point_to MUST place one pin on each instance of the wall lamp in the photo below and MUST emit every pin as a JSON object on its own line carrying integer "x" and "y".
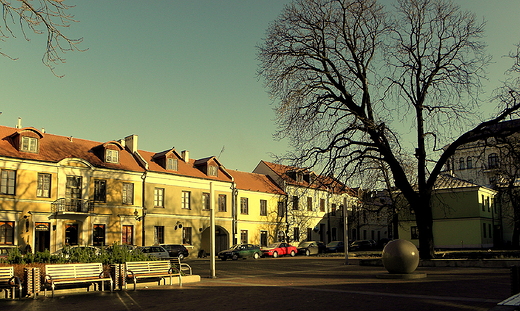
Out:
{"x": 178, "y": 225}
{"x": 137, "y": 217}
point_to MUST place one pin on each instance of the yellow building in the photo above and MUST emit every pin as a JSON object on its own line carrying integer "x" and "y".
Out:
{"x": 258, "y": 201}
{"x": 315, "y": 203}
{"x": 464, "y": 216}
{"x": 58, "y": 191}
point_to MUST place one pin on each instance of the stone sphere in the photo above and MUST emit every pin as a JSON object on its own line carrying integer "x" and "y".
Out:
{"x": 400, "y": 256}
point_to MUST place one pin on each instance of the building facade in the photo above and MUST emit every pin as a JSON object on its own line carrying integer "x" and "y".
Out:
{"x": 57, "y": 191}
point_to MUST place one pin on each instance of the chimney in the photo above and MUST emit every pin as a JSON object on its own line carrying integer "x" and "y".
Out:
{"x": 185, "y": 156}
{"x": 19, "y": 124}
{"x": 131, "y": 143}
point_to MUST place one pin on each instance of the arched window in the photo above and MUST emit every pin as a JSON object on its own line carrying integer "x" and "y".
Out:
{"x": 461, "y": 164}
{"x": 469, "y": 162}
{"x": 493, "y": 160}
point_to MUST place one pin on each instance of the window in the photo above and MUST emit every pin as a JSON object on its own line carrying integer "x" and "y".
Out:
{"x": 309, "y": 234}
{"x": 127, "y": 236}
{"x": 309, "y": 204}
{"x": 212, "y": 170}
{"x": 186, "y": 235}
{"x": 295, "y": 202}
{"x": 263, "y": 207}
{"x": 186, "y": 204}
{"x": 100, "y": 190}
{"x": 483, "y": 203}
{"x": 281, "y": 209}
{"x": 44, "y": 185}
{"x": 7, "y": 182}
{"x": 243, "y": 236}
{"x": 7, "y": 232}
{"x": 414, "y": 232}
{"x": 322, "y": 205}
{"x": 99, "y": 235}
{"x": 158, "y": 197}
{"x": 484, "y": 230}
{"x": 296, "y": 233}
{"x": 128, "y": 193}
{"x": 111, "y": 156}
{"x": 493, "y": 160}
{"x": 244, "y": 206}
{"x": 159, "y": 234}
{"x": 29, "y": 144}
{"x": 222, "y": 203}
{"x": 333, "y": 210}
{"x": 172, "y": 164}
{"x": 461, "y": 164}
{"x": 469, "y": 162}
{"x": 205, "y": 201}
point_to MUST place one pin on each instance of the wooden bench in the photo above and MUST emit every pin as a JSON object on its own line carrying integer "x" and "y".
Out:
{"x": 161, "y": 269}
{"x": 90, "y": 273}
{"x": 9, "y": 283}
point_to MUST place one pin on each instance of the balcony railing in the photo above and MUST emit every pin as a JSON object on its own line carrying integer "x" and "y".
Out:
{"x": 64, "y": 205}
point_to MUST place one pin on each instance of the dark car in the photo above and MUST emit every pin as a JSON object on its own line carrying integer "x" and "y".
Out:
{"x": 176, "y": 250}
{"x": 335, "y": 247}
{"x": 308, "y": 248}
{"x": 361, "y": 245}
{"x": 241, "y": 251}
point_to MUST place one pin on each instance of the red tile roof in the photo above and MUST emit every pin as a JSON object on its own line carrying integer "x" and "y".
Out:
{"x": 54, "y": 148}
{"x": 255, "y": 182}
{"x": 183, "y": 168}
{"x": 319, "y": 182}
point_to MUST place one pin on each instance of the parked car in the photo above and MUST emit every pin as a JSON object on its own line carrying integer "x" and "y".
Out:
{"x": 279, "y": 249}
{"x": 361, "y": 245}
{"x": 241, "y": 251}
{"x": 335, "y": 247}
{"x": 156, "y": 251}
{"x": 308, "y": 248}
{"x": 176, "y": 250}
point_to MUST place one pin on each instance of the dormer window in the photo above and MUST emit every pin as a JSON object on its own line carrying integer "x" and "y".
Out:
{"x": 212, "y": 170}
{"x": 172, "y": 164}
{"x": 111, "y": 156}
{"x": 29, "y": 144}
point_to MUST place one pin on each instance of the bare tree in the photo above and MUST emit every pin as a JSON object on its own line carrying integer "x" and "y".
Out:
{"x": 40, "y": 17}
{"x": 349, "y": 75}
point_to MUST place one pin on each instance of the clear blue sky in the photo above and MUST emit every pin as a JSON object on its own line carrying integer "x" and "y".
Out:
{"x": 178, "y": 73}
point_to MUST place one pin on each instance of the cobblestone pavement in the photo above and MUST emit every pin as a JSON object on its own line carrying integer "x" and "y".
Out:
{"x": 301, "y": 283}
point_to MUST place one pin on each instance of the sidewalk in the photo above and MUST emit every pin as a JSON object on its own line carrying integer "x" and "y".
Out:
{"x": 327, "y": 287}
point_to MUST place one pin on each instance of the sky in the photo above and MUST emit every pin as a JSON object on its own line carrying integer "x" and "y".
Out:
{"x": 177, "y": 73}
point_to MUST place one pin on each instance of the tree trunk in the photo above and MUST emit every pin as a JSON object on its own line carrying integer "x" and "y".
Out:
{"x": 424, "y": 220}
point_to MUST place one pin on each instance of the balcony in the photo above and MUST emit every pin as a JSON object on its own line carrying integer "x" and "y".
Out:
{"x": 72, "y": 206}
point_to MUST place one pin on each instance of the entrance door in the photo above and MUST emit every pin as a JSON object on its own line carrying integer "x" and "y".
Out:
{"x": 42, "y": 238}
{"x": 221, "y": 239}
{"x": 71, "y": 234}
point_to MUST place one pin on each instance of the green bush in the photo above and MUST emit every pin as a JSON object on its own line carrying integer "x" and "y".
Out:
{"x": 115, "y": 254}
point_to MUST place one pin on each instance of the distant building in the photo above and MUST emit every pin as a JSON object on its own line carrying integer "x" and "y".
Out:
{"x": 464, "y": 216}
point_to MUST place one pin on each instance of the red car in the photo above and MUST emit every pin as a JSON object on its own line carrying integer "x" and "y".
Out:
{"x": 279, "y": 249}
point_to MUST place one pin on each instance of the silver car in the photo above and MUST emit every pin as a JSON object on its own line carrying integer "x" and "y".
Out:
{"x": 156, "y": 251}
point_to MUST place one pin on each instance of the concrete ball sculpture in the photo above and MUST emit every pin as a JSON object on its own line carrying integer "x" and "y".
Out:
{"x": 400, "y": 256}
